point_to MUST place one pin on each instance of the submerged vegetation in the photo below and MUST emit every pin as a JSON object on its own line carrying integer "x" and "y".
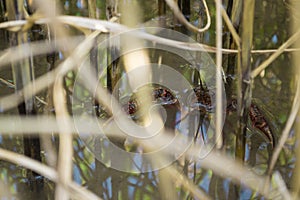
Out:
{"x": 156, "y": 99}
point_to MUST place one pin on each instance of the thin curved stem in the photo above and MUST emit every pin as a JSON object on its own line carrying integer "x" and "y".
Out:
{"x": 183, "y": 20}
{"x": 277, "y": 53}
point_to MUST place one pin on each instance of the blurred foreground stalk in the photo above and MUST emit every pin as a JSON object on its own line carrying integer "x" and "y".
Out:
{"x": 296, "y": 62}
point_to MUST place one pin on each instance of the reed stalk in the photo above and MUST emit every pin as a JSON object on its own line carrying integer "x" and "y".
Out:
{"x": 161, "y": 8}
{"x": 219, "y": 81}
{"x": 296, "y": 62}
{"x": 245, "y": 81}
{"x": 162, "y": 13}
{"x": 92, "y": 9}
{"x": 231, "y": 41}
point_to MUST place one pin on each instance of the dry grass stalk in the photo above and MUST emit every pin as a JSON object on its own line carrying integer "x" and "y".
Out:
{"x": 277, "y": 53}
{"x": 65, "y": 154}
{"x": 172, "y": 4}
{"x": 231, "y": 28}
{"x": 219, "y": 81}
{"x": 286, "y": 130}
{"x": 86, "y": 23}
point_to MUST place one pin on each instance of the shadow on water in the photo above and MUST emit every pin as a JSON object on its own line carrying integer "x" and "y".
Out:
{"x": 272, "y": 93}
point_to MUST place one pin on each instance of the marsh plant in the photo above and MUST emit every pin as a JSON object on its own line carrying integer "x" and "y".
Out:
{"x": 149, "y": 99}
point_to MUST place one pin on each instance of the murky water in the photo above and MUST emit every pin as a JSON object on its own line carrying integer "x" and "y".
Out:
{"x": 272, "y": 92}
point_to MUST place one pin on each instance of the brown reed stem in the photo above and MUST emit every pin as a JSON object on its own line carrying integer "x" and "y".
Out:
{"x": 244, "y": 83}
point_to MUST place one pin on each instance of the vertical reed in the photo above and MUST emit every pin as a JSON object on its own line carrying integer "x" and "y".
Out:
{"x": 234, "y": 11}
{"x": 296, "y": 61}
{"x": 92, "y": 6}
{"x": 244, "y": 71}
{"x": 162, "y": 8}
{"x": 219, "y": 99}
